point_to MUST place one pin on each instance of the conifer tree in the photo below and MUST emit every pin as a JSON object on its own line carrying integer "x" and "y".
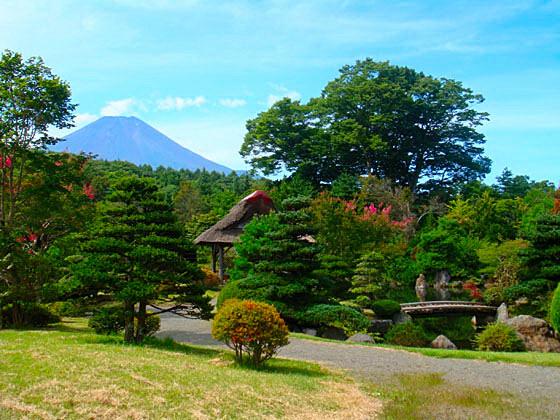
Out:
{"x": 282, "y": 270}
{"x": 138, "y": 252}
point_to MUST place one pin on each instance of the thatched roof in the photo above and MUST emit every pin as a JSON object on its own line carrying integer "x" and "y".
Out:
{"x": 229, "y": 229}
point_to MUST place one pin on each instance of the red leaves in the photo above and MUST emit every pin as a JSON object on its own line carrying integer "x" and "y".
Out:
{"x": 6, "y": 162}
{"x": 88, "y": 191}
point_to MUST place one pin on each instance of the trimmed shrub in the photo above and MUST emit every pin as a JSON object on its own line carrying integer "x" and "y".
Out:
{"x": 345, "y": 318}
{"x": 111, "y": 320}
{"x": 407, "y": 334}
{"x": 363, "y": 301}
{"x": 385, "y": 308}
{"x": 211, "y": 279}
{"x": 251, "y": 328}
{"x": 555, "y": 309}
{"x": 498, "y": 337}
{"x": 107, "y": 320}
{"x": 33, "y": 315}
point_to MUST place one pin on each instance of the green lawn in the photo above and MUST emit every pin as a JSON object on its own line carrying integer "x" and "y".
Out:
{"x": 69, "y": 372}
{"x": 525, "y": 358}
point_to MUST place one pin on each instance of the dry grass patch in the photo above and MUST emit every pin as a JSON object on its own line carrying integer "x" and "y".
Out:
{"x": 73, "y": 374}
{"x": 430, "y": 397}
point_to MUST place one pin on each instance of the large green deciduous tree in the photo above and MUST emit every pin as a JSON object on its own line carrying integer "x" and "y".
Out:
{"x": 139, "y": 252}
{"x": 375, "y": 119}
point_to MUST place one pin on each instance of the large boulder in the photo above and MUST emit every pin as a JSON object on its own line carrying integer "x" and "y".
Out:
{"x": 310, "y": 331}
{"x": 536, "y": 333}
{"x": 380, "y": 325}
{"x": 333, "y": 333}
{"x": 442, "y": 342}
{"x": 361, "y": 338}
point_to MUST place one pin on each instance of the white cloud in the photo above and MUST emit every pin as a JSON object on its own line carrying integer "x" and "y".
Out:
{"x": 293, "y": 95}
{"x": 233, "y": 103}
{"x": 84, "y": 119}
{"x": 118, "y": 108}
{"x": 177, "y": 103}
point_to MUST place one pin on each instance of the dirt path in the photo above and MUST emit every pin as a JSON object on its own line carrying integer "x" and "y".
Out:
{"x": 375, "y": 362}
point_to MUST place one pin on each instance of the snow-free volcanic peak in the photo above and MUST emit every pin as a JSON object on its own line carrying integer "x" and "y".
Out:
{"x": 132, "y": 140}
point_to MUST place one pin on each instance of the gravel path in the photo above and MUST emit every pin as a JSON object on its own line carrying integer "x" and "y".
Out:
{"x": 375, "y": 362}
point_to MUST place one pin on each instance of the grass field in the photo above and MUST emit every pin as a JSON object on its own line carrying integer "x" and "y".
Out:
{"x": 69, "y": 372}
{"x": 525, "y": 358}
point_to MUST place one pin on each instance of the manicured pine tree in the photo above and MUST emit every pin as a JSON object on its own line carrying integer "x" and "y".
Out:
{"x": 282, "y": 269}
{"x": 139, "y": 252}
{"x": 543, "y": 257}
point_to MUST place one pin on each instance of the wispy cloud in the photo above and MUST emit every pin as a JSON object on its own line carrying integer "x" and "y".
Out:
{"x": 292, "y": 94}
{"x": 233, "y": 103}
{"x": 120, "y": 107}
{"x": 177, "y": 103}
{"x": 84, "y": 119}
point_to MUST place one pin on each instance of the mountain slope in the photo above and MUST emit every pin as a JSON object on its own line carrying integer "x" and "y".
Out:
{"x": 131, "y": 139}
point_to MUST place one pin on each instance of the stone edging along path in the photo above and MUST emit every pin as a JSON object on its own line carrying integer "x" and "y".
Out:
{"x": 376, "y": 362}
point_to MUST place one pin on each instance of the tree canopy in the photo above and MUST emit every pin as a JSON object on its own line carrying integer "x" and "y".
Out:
{"x": 375, "y": 119}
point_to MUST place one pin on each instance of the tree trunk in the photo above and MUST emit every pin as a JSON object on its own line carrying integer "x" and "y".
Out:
{"x": 17, "y": 315}
{"x": 129, "y": 322}
{"x": 141, "y": 325}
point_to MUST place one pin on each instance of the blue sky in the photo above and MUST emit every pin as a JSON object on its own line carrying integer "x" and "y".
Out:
{"x": 197, "y": 70}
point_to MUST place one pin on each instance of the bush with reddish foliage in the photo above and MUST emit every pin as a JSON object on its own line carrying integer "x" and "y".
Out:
{"x": 251, "y": 328}
{"x": 211, "y": 279}
{"x": 473, "y": 289}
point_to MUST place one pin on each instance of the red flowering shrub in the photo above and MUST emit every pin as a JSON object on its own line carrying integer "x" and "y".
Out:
{"x": 253, "y": 328}
{"x": 473, "y": 289}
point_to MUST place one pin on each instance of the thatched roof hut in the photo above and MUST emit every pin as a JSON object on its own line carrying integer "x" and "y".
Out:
{"x": 228, "y": 230}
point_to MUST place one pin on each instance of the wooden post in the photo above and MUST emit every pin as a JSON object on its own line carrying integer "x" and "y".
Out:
{"x": 214, "y": 258}
{"x": 221, "y": 250}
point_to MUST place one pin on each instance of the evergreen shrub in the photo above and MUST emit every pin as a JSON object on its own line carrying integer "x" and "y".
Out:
{"x": 555, "y": 309}
{"x": 499, "y": 337}
{"x": 245, "y": 289}
{"x": 111, "y": 320}
{"x": 407, "y": 334}
{"x": 34, "y": 315}
{"x": 385, "y": 308}
{"x": 342, "y": 317}
{"x": 107, "y": 320}
{"x": 252, "y": 328}
{"x": 363, "y": 301}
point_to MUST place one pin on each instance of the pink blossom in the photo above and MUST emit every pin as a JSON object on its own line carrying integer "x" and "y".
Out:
{"x": 57, "y": 163}
{"x": 32, "y": 237}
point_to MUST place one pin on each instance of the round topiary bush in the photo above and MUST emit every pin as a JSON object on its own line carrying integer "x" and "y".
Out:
{"x": 342, "y": 317}
{"x": 498, "y": 337}
{"x": 251, "y": 328}
{"x": 555, "y": 309}
{"x": 363, "y": 301}
{"x": 385, "y": 308}
{"x": 407, "y": 334}
{"x": 107, "y": 320}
